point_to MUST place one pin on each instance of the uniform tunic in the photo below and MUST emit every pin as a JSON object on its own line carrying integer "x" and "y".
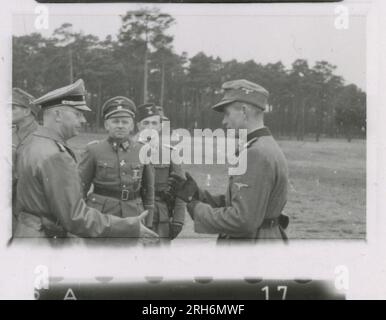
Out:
{"x": 49, "y": 187}
{"x": 258, "y": 194}
{"x": 163, "y": 215}
{"x": 115, "y": 168}
{"x": 20, "y": 134}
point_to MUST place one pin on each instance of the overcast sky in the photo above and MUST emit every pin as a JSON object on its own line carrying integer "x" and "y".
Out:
{"x": 260, "y": 36}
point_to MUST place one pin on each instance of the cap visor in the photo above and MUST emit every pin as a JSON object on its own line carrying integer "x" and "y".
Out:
{"x": 119, "y": 114}
{"x": 219, "y": 107}
{"x": 82, "y": 108}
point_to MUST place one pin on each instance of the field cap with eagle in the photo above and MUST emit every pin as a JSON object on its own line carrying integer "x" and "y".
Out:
{"x": 147, "y": 110}
{"x": 72, "y": 95}
{"x": 23, "y": 99}
{"x": 118, "y": 107}
{"x": 242, "y": 91}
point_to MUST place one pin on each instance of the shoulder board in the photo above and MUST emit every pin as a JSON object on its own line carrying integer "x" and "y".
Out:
{"x": 61, "y": 147}
{"x": 93, "y": 142}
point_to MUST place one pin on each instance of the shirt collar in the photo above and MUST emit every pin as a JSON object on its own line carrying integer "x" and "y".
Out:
{"x": 258, "y": 133}
{"x": 116, "y": 143}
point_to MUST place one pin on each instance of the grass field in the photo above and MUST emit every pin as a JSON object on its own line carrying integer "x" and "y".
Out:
{"x": 327, "y": 197}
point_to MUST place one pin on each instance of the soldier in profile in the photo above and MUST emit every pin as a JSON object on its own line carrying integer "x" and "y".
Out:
{"x": 49, "y": 190}
{"x": 251, "y": 209}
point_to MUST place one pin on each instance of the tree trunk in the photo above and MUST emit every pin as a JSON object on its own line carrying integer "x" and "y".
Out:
{"x": 162, "y": 95}
{"x": 99, "y": 106}
{"x": 145, "y": 75}
{"x": 71, "y": 65}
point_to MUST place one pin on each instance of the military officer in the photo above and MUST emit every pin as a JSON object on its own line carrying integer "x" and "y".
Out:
{"x": 251, "y": 209}
{"x": 169, "y": 212}
{"x": 49, "y": 188}
{"x": 24, "y": 123}
{"x": 122, "y": 185}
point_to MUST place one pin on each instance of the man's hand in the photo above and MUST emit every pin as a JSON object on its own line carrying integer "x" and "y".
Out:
{"x": 146, "y": 236}
{"x": 52, "y": 229}
{"x": 175, "y": 229}
{"x": 184, "y": 188}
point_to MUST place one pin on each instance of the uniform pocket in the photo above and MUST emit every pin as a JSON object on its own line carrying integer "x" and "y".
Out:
{"x": 96, "y": 201}
{"x": 106, "y": 169}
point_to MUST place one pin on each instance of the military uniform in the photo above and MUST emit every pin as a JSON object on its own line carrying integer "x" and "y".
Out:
{"x": 50, "y": 190}
{"x": 254, "y": 201}
{"x": 122, "y": 185}
{"x": 169, "y": 212}
{"x": 20, "y": 132}
{"x": 251, "y": 209}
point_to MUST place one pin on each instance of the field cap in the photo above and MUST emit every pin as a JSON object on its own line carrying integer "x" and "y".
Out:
{"x": 242, "y": 91}
{"x": 147, "y": 110}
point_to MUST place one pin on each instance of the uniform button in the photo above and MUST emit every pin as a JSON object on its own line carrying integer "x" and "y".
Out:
{"x": 123, "y": 173}
{"x": 93, "y": 199}
{"x": 124, "y": 186}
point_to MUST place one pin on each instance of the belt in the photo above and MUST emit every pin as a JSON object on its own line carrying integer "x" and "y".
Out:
{"x": 267, "y": 224}
{"x": 124, "y": 195}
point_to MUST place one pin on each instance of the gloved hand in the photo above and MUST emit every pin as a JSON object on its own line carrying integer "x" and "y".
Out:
{"x": 184, "y": 188}
{"x": 175, "y": 229}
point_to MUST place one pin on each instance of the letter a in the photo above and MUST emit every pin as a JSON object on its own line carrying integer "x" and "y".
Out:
{"x": 70, "y": 295}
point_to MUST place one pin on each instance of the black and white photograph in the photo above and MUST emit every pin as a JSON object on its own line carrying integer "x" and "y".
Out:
{"x": 300, "y": 96}
{"x": 194, "y": 128}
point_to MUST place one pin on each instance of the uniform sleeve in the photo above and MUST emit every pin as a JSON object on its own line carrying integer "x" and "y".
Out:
{"x": 179, "y": 205}
{"x": 87, "y": 170}
{"x": 148, "y": 191}
{"x": 62, "y": 188}
{"x": 249, "y": 192}
{"x": 215, "y": 201}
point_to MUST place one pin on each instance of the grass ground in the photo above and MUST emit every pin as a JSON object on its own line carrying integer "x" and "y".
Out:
{"x": 327, "y": 196}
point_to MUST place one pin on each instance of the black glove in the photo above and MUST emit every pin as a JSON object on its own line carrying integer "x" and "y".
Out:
{"x": 184, "y": 188}
{"x": 283, "y": 221}
{"x": 175, "y": 229}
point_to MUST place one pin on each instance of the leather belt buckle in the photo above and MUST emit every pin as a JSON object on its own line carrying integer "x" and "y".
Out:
{"x": 125, "y": 195}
